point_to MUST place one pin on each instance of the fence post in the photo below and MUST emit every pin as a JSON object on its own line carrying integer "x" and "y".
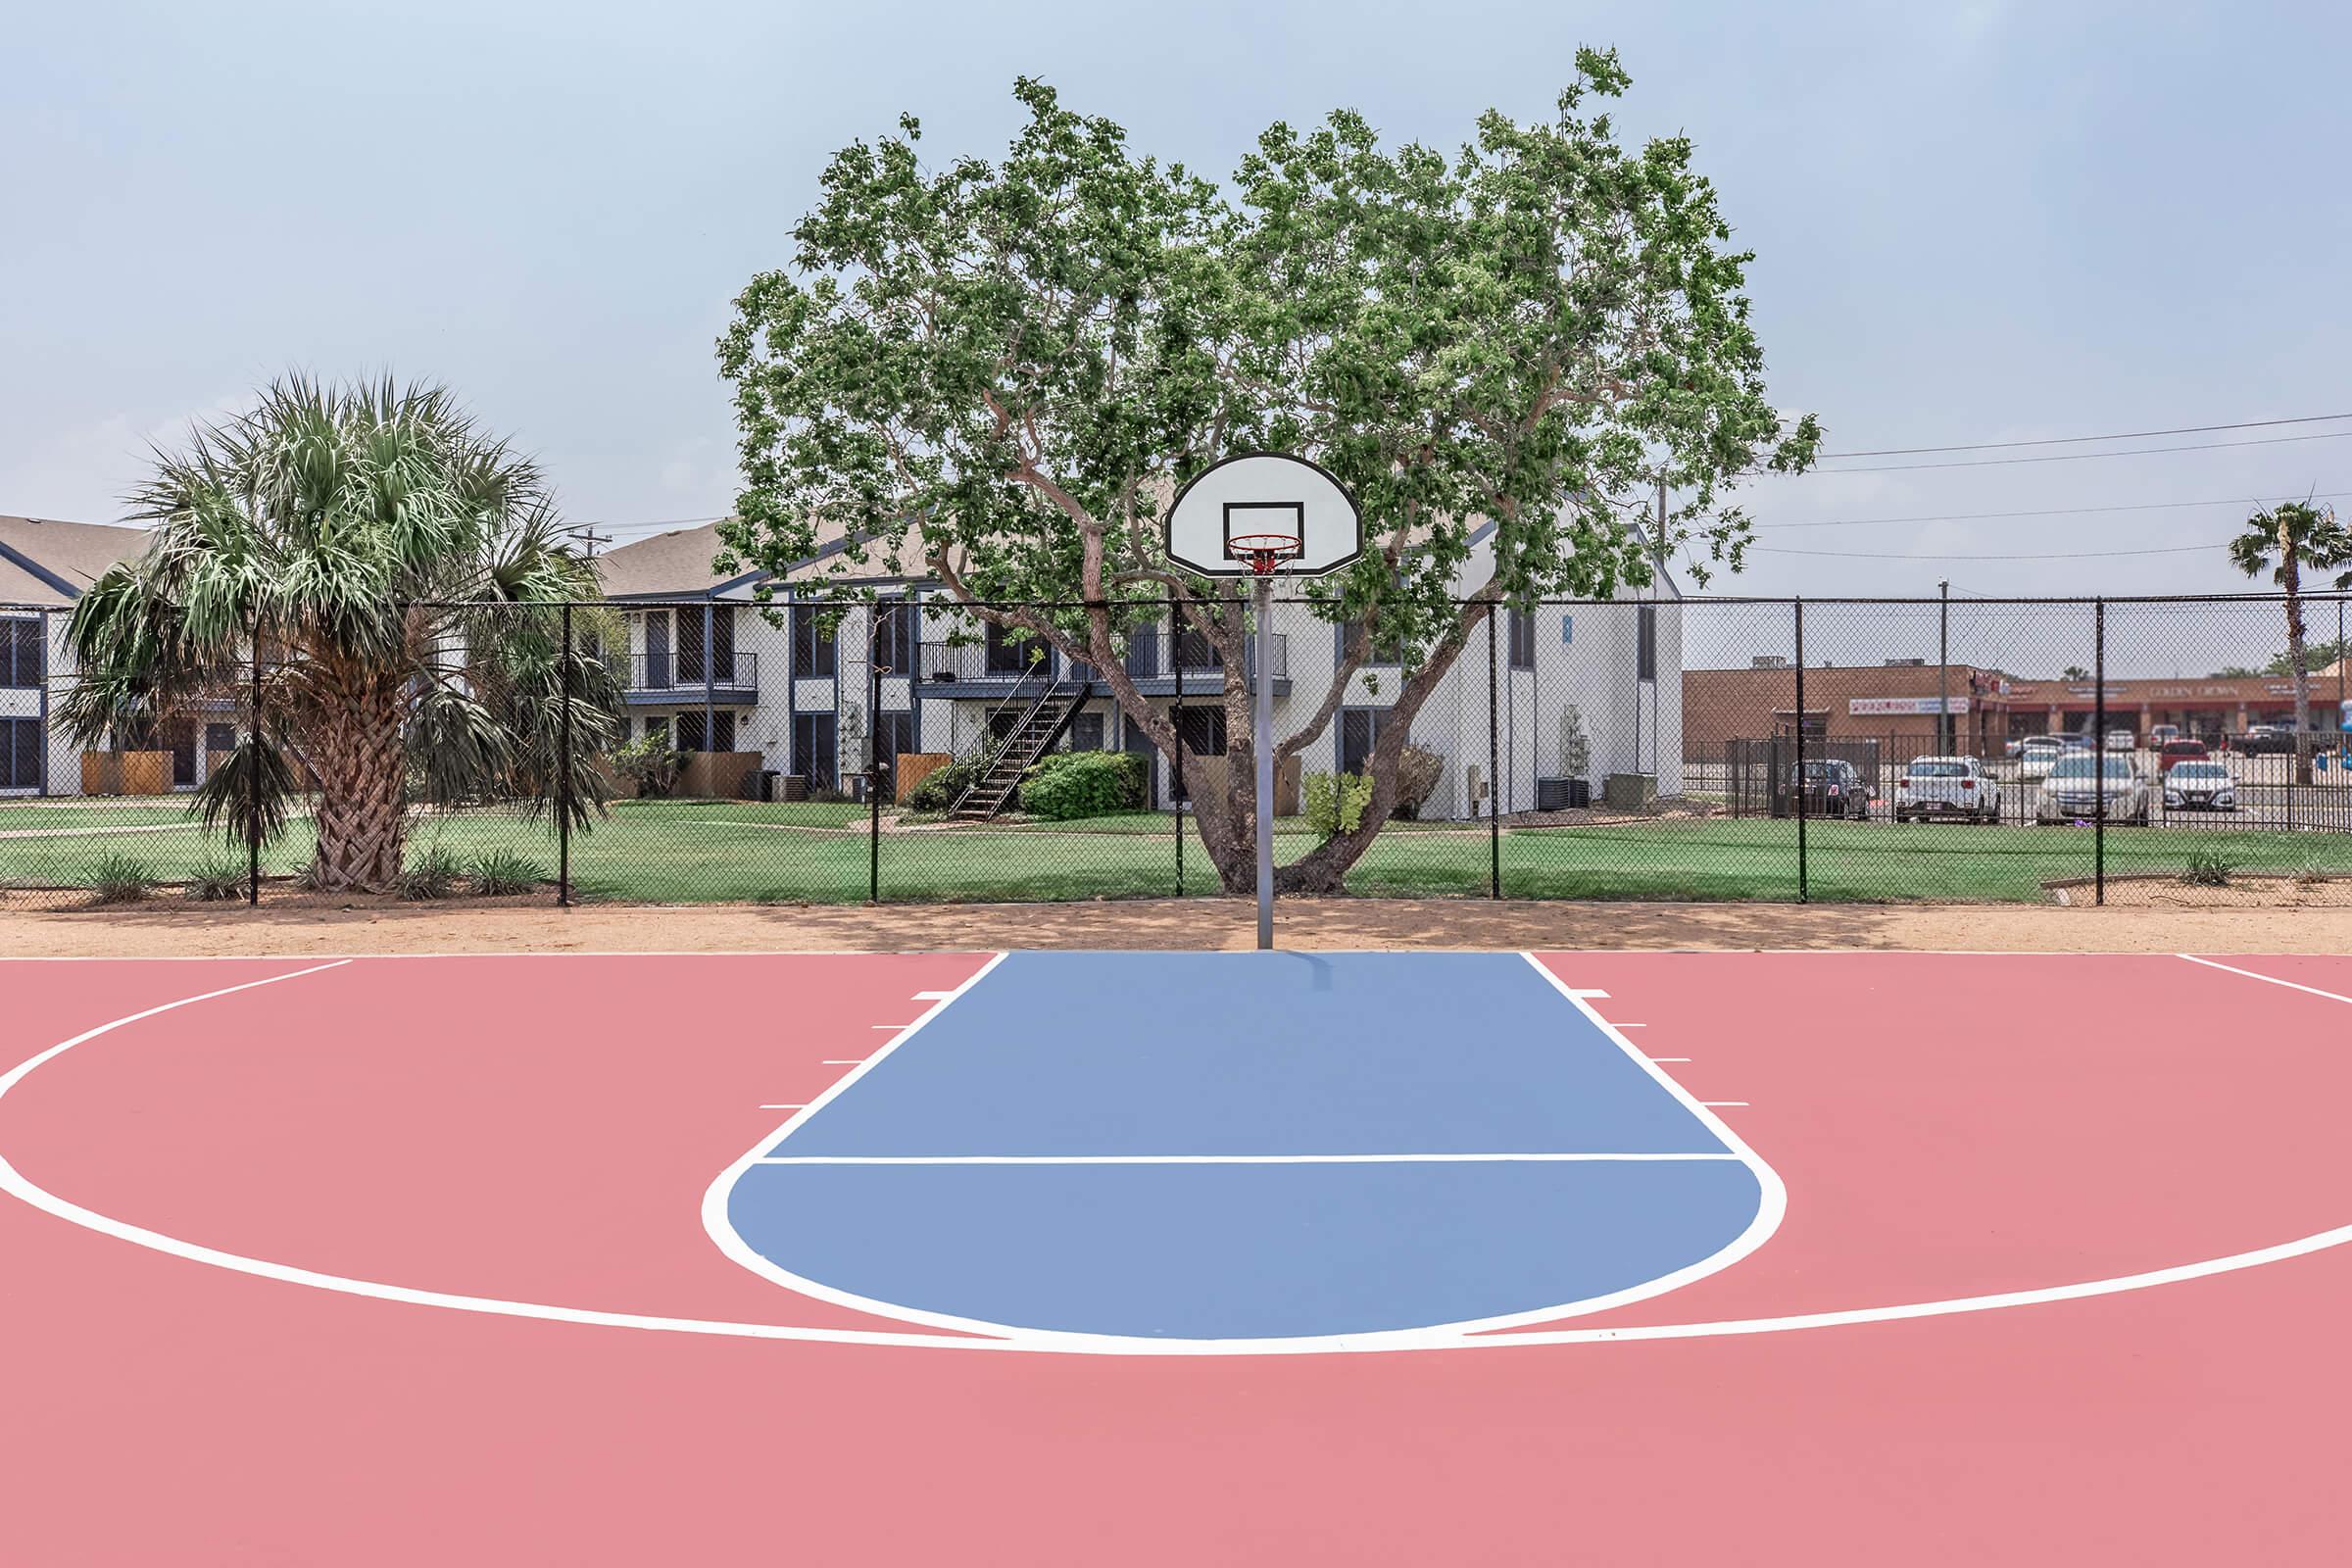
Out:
{"x": 563, "y": 770}
{"x": 1804, "y": 891}
{"x": 1494, "y": 765}
{"x": 1176, "y": 756}
{"x": 2098, "y": 740}
{"x": 873, "y": 751}
{"x": 253, "y": 775}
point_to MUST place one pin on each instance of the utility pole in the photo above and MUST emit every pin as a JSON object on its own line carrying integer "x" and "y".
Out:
{"x": 1943, "y": 670}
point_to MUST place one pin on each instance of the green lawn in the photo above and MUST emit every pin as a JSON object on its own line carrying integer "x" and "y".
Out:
{"x": 711, "y": 852}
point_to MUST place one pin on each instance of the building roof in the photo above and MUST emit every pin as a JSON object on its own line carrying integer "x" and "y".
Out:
{"x": 677, "y": 564}
{"x": 43, "y": 561}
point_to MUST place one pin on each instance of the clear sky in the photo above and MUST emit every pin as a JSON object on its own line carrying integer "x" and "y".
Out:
{"x": 1973, "y": 223}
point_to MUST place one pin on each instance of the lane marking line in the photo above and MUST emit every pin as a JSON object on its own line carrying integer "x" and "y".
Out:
{"x": 18, "y": 1186}
{"x": 2268, "y": 979}
{"x": 1222, "y": 1159}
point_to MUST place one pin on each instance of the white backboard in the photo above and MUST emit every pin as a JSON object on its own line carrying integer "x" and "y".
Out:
{"x": 1260, "y": 493}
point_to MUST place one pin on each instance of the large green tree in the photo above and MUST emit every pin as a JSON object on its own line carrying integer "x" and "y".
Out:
{"x": 397, "y": 569}
{"x": 998, "y": 373}
{"x": 2286, "y": 541}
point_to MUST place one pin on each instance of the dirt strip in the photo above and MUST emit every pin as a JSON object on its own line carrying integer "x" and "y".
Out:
{"x": 294, "y": 925}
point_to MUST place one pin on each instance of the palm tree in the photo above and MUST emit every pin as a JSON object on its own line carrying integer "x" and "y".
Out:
{"x": 2286, "y": 539}
{"x": 383, "y": 558}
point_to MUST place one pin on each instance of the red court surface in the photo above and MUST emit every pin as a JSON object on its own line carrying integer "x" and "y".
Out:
{"x": 401, "y": 1261}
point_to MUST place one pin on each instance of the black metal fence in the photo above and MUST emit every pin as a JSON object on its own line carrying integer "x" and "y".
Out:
{"x": 2139, "y": 750}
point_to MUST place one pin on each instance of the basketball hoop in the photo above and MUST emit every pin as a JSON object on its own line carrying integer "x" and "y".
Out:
{"x": 1264, "y": 550}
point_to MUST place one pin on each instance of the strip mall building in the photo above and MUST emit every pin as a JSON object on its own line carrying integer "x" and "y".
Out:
{"x": 1898, "y": 702}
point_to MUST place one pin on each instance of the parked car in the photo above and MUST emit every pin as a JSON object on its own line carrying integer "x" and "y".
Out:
{"x": 2199, "y": 786}
{"x": 2072, "y": 792}
{"x": 2121, "y": 740}
{"x": 2262, "y": 738}
{"x": 2038, "y": 754}
{"x": 2075, "y": 743}
{"x": 1946, "y": 786}
{"x": 2173, "y": 753}
{"x": 2158, "y": 734}
{"x": 1833, "y": 787}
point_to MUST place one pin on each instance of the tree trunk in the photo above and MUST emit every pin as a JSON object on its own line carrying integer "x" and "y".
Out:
{"x": 362, "y": 766}
{"x": 2291, "y": 578}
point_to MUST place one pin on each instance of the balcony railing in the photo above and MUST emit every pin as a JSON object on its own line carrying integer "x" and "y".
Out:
{"x": 684, "y": 675}
{"x": 974, "y": 663}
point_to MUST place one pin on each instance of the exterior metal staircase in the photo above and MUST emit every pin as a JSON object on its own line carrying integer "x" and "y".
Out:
{"x": 1028, "y": 736}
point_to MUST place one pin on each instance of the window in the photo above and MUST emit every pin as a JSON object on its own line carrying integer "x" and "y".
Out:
{"x": 723, "y": 731}
{"x": 1203, "y": 731}
{"x": 19, "y": 753}
{"x": 1085, "y": 732}
{"x": 1012, "y": 652}
{"x": 811, "y": 643}
{"x": 1359, "y": 727}
{"x": 715, "y": 663}
{"x": 1647, "y": 635}
{"x": 1375, "y": 655}
{"x": 1143, "y": 652}
{"x": 815, "y": 740}
{"x": 220, "y": 737}
{"x": 657, "y": 675}
{"x": 1195, "y": 651}
{"x": 895, "y": 635}
{"x": 1523, "y": 639}
{"x": 20, "y": 652}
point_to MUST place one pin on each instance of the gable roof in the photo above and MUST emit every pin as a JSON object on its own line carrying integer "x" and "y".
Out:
{"x": 44, "y": 562}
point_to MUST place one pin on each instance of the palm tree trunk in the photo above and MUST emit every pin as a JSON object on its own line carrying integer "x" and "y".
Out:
{"x": 2291, "y": 578}
{"x": 361, "y": 767}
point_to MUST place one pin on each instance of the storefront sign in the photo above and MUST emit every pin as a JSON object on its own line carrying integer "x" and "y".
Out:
{"x": 1899, "y": 707}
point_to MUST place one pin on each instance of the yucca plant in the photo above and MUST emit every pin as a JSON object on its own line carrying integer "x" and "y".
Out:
{"x": 502, "y": 873}
{"x": 118, "y": 878}
{"x": 433, "y": 874}
{"x": 397, "y": 569}
{"x": 217, "y": 881}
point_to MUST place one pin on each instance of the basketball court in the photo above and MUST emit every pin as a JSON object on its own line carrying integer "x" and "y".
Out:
{"x": 1066, "y": 1258}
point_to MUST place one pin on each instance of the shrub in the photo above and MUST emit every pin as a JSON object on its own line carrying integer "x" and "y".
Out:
{"x": 1334, "y": 802}
{"x": 945, "y": 786}
{"x": 1068, "y": 785}
{"x": 2208, "y": 868}
{"x": 2315, "y": 871}
{"x": 649, "y": 764}
{"x": 307, "y": 878}
{"x": 119, "y": 878}
{"x": 502, "y": 873}
{"x": 827, "y": 795}
{"x": 217, "y": 881}
{"x": 430, "y": 875}
{"x": 1418, "y": 769}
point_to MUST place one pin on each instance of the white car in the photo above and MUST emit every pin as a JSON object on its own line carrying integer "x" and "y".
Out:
{"x": 2121, "y": 740}
{"x": 2038, "y": 755}
{"x": 2072, "y": 791}
{"x": 1946, "y": 786}
{"x": 2201, "y": 787}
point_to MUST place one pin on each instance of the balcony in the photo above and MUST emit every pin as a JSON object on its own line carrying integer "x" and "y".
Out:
{"x": 975, "y": 669}
{"x": 688, "y": 677}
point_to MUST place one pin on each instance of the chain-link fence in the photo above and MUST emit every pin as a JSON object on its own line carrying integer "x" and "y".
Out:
{"x": 905, "y": 748}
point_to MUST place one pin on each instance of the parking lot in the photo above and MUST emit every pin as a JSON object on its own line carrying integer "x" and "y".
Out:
{"x": 2266, "y": 796}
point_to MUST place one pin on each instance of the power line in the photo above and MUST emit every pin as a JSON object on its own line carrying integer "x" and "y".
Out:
{"x": 2046, "y": 511}
{"x": 2069, "y": 555}
{"x": 2072, "y": 440}
{"x": 2083, "y": 456}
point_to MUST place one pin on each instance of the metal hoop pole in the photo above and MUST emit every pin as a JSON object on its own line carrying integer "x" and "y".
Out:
{"x": 1262, "y": 740}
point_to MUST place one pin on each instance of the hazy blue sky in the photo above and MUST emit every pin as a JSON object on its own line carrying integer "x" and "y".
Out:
{"x": 1974, "y": 222}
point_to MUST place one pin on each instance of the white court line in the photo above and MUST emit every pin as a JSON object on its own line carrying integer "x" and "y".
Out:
{"x": 1725, "y": 1105}
{"x": 795, "y": 1106}
{"x": 841, "y": 1061}
{"x": 1586, "y": 993}
{"x": 1632, "y": 1026}
{"x": 17, "y": 1185}
{"x": 1670, "y": 1058}
{"x": 892, "y": 1026}
{"x": 2270, "y": 979}
{"x": 1217, "y": 1160}
{"x": 933, "y": 996}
